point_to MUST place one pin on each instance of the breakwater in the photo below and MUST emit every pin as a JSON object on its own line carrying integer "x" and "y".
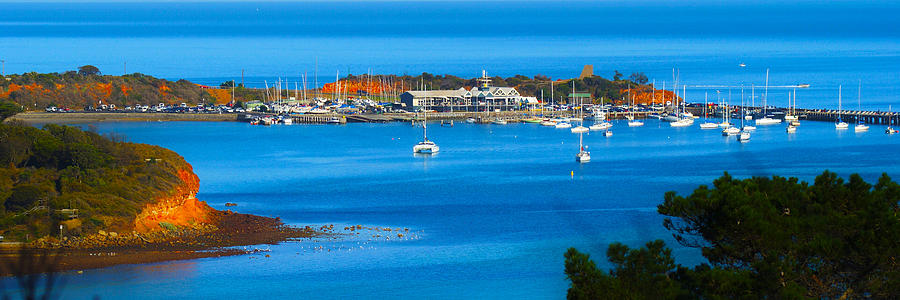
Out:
{"x": 84, "y": 117}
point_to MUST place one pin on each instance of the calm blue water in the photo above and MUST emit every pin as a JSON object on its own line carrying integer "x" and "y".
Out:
{"x": 492, "y": 214}
{"x": 822, "y": 44}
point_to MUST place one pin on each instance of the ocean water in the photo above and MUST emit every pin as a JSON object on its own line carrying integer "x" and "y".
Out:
{"x": 491, "y": 214}
{"x": 821, "y": 44}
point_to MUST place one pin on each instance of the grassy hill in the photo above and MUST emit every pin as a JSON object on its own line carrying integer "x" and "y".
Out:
{"x": 46, "y": 171}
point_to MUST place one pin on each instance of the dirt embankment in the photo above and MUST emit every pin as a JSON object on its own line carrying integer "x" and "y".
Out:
{"x": 177, "y": 226}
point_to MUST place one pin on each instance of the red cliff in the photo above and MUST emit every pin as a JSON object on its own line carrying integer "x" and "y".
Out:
{"x": 181, "y": 208}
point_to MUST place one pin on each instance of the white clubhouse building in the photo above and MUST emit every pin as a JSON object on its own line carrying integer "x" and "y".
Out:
{"x": 483, "y": 97}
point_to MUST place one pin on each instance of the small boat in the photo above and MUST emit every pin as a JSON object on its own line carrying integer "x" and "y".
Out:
{"x": 470, "y": 120}
{"x": 607, "y": 133}
{"x": 532, "y": 120}
{"x": 860, "y": 126}
{"x": 791, "y": 129}
{"x": 601, "y": 126}
{"x": 426, "y": 147}
{"x": 579, "y": 129}
{"x": 681, "y": 123}
{"x": 582, "y": 156}
{"x": 498, "y": 121}
{"x": 709, "y": 125}
{"x": 748, "y": 118}
{"x": 840, "y": 123}
{"x": 548, "y": 123}
{"x": 890, "y": 130}
{"x": 724, "y": 124}
{"x": 795, "y": 123}
{"x": 748, "y": 128}
{"x": 334, "y": 120}
{"x": 731, "y": 131}
{"x": 563, "y": 125}
{"x": 767, "y": 121}
{"x": 744, "y": 137}
{"x": 287, "y": 121}
{"x": 635, "y": 123}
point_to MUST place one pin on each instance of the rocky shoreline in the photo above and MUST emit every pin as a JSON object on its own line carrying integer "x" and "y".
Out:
{"x": 106, "y": 249}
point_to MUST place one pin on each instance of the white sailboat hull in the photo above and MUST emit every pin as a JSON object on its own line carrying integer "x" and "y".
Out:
{"x": 767, "y": 121}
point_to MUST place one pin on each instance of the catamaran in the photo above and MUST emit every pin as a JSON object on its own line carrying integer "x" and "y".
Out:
{"x": 840, "y": 123}
{"x": 425, "y": 146}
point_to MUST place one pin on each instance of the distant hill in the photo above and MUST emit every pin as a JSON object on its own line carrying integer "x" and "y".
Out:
{"x": 77, "y": 90}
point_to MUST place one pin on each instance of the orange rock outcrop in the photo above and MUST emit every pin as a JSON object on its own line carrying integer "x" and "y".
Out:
{"x": 181, "y": 208}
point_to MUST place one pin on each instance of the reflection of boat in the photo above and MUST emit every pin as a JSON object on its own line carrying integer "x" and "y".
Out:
{"x": 791, "y": 129}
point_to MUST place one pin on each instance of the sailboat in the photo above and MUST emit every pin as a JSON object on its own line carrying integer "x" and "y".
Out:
{"x": 791, "y": 116}
{"x": 682, "y": 119}
{"x": 840, "y": 123}
{"x": 707, "y": 124}
{"x": 582, "y": 156}
{"x": 765, "y": 120}
{"x": 860, "y": 126}
{"x": 725, "y": 115}
{"x": 745, "y": 134}
{"x": 889, "y": 129}
{"x": 580, "y": 128}
{"x": 633, "y": 122}
{"x": 425, "y": 146}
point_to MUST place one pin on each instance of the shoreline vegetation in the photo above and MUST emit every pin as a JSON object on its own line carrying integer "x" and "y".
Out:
{"x": 87, "y": 87}
{"x": 763, "y": 238}
{"x": 92, "y": 200}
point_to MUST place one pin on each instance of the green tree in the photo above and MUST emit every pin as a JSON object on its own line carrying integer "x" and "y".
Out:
{"x": 23, "y": 198}
{"x": 88, "y": 70}
{"x": 780, "y": 238}
{"x": 8, "y": 109}
{"x": 638, "y": 77}
{"x": 617, "y": 76}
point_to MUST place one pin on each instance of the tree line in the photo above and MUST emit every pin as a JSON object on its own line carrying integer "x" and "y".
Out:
{"x": 775, "y": 238}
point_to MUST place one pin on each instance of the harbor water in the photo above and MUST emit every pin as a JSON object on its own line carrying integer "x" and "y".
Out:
{"x": 490, "y": 216}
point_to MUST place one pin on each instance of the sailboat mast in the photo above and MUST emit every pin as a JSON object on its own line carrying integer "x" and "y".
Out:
{"x": 766, "y": 96}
